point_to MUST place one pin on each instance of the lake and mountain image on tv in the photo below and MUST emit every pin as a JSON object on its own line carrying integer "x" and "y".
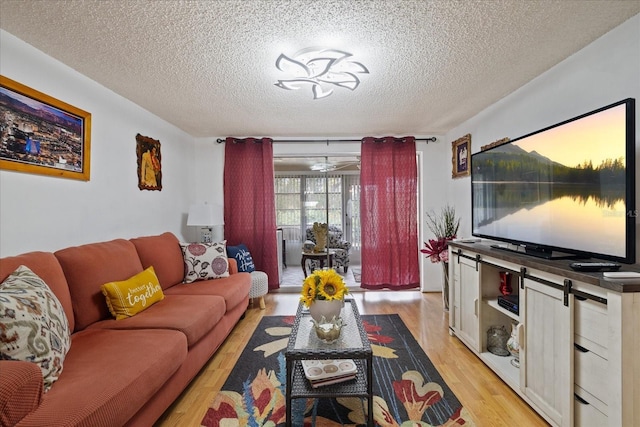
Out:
{"x": 564, "y": 187}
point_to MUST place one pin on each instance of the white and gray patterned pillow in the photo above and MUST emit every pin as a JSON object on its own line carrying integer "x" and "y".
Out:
{"x": 34, "y": 327}
{"x": 203, "y": 261}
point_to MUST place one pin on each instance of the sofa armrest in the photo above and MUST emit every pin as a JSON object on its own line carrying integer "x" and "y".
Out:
{"x": 21, "y": 390}
{"x": 233, "y": 266}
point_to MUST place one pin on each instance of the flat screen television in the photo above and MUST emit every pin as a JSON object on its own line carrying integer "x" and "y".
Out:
{"x": 565, "y": 191}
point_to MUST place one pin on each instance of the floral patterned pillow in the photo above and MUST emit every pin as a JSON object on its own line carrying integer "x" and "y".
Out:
{"x": 35, "y": 326}
{"x": 203, "y": 261}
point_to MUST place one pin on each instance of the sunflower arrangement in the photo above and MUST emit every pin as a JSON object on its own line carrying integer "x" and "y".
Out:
{"x": 323, "y": 285}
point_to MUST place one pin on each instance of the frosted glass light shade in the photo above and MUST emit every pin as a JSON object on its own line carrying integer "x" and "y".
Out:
{"x": 204, "y": 214}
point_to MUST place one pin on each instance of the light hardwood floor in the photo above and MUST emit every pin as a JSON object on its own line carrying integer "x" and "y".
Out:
{"x": 489, "y": 400}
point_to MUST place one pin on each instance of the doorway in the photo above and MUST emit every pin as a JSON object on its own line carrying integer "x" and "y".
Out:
{"x": 322, "y": 189}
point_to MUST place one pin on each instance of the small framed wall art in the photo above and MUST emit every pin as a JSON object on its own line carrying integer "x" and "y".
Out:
{"x": 494, "y": 144}
{"x": 461, "y": 149}
{"x": 149, "y": 163}
{"x": 41, "y": 134}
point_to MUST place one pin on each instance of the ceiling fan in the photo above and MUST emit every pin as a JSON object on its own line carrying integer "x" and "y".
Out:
{"x": 334, "y": 166}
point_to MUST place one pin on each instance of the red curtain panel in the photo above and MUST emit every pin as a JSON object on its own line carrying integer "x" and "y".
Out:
{"x": 388, "y": 209}
{"x": 249, "y": 201}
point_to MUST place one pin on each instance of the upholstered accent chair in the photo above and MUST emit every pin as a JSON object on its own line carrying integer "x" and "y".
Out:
{"x": 334, "y": 242}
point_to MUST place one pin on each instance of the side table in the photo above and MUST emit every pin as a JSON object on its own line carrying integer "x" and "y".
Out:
{"x": 321, "y": 257}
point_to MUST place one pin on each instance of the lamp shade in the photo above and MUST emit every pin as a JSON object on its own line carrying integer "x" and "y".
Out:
{"x": 204, "y": 214}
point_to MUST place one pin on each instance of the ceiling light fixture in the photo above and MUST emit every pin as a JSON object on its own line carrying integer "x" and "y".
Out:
{"x": 321, "y": 68}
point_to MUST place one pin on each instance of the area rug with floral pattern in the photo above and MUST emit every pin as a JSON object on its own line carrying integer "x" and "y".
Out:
{"x": 408, "y": 390}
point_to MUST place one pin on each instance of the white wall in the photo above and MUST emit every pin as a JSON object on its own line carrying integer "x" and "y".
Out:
{"x": 606, "y": 71}
{"x": 45, "y": 213}
{"x": 436, "y": 174}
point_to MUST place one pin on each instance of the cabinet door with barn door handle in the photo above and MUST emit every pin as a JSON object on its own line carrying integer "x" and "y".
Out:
{"x": 545, "y": 351}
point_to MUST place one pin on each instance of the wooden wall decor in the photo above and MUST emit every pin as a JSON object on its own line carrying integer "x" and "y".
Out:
{"x": 494, "y": 144}
{"x": 149, "y": 163}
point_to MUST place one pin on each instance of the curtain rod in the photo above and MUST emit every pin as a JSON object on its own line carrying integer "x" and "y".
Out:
{"x": 428, "y": 140}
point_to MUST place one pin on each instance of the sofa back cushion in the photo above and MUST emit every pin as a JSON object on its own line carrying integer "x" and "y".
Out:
{"x": 47, "y": 267}
{"x": 88, "y": 267}
{"x": 163, "y": 253}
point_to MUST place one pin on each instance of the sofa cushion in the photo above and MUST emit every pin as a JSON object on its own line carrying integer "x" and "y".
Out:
{"x": 234, "y": 289}
{"x": 47, "y": 267}
{"x": 129, "y": 297}
{"x": 192, "y": 315}
{"x": 90, "y": 266}
{"x": 34, "y": 326}
{"x": 164, "y": 254}
{"x": 204, "y": 261}
{"x": 242, "y": 256}
{"x": 109, "y": 376}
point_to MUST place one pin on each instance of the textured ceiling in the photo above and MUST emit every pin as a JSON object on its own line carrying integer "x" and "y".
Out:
{"x": 209, "y": 66}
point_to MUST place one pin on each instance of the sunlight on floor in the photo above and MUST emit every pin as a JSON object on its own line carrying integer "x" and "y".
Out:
{"x": 292, "y": 278}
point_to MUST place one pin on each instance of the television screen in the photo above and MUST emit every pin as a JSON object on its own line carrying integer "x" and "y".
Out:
{"x": 566, "y": 188}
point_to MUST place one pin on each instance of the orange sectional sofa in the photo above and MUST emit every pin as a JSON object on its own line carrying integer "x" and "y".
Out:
{"x": 121, "y": 372}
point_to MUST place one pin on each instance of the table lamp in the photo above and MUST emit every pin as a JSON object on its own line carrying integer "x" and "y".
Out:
{"x": 206, "y": 217}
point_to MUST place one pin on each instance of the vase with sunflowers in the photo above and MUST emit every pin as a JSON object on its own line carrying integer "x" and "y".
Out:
{"x": 323, "y": 293}
{"x": 445, "y": 227}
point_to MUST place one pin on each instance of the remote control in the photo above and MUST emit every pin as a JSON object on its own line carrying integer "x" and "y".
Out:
{"x": 594, "y": 266}
{"x": 622, "y": 275}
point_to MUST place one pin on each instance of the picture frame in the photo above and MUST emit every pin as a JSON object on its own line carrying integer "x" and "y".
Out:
{"x": 149, "y": 163}
{"x": 41, "y": 134}
{"x": 494, "y": 144}
{"x": 461, "y": 157}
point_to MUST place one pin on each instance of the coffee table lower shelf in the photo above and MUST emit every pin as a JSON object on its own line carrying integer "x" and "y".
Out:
{"x": 357, "y": 387}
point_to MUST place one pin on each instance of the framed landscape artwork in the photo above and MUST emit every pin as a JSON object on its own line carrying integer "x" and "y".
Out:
{"x": 149, "y": 163}
{"x": 461, "y": 149}
{"x": 42, "y": 135}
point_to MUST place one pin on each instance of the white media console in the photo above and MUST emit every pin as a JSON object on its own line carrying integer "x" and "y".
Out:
{"x": 579, "y": 334}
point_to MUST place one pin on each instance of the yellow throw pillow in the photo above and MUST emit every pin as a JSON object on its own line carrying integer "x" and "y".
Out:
{"x": 131, "y": 296}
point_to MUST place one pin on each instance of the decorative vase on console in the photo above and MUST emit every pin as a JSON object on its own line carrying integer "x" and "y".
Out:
{"x": 505, "y": 283}
{"x": 445, "y": 227}
{"x": 497, "y": 338}
{"x": 513, "y": 345}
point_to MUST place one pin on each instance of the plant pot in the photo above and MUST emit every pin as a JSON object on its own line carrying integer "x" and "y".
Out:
{"x": 328, "y": 309}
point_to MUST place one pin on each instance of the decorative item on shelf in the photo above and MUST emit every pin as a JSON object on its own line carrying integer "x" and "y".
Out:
{"x": 445, "y": 227}
{"x": 320, "y": 233}
{"x": 505, "y": 283}
{"x": 308, "y": 247}
{"x": 497, "y": 337}
{"x": 323, "y": 293}
{"x": 328, "y": 330}
{"x": 513, "y": 345}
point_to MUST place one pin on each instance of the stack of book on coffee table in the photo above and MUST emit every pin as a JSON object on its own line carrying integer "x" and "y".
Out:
{"x": 325, "y": 372}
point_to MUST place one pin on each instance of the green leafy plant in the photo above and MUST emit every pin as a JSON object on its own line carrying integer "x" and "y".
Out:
{"x": 444, "y": 225}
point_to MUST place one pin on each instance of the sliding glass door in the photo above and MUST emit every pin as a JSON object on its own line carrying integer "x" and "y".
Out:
{"x": 304, "y": 196}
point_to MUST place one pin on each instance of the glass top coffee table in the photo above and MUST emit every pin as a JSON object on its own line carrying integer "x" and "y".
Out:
{"x": 352, "y": 344}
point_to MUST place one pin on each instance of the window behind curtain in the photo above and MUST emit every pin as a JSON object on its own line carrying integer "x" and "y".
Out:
{"x": 288, "y": 206}
{"x": 301, "y": 200}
